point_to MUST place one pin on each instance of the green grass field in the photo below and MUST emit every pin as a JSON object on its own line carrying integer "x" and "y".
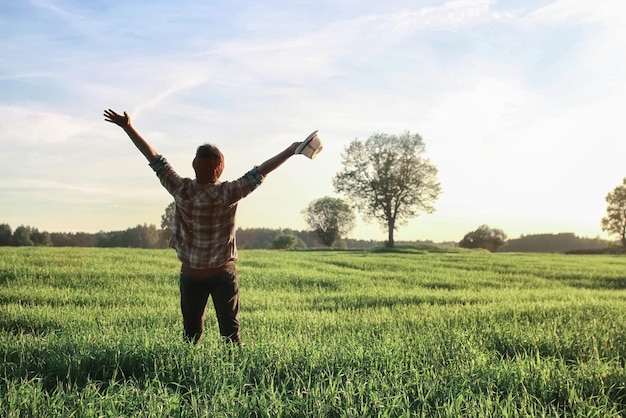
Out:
{"x": 97, "y": 332}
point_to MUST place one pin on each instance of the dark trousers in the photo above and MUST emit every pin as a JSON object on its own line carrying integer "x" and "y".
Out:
{"x": 223, "y": 287}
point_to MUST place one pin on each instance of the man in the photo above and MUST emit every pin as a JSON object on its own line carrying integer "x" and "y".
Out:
{"x": 203, "y": 232}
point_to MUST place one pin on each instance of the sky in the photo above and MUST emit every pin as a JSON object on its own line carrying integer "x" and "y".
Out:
{"x": 520, "y": 105}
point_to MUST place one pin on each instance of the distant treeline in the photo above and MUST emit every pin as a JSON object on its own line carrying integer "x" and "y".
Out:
{"x": 553, "y": 243}
{"x": 263, "y": 238}
{"x": 148, "y": 236}
{"x": 141, "y": 236}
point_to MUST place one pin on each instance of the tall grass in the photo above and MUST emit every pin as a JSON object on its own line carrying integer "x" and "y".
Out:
{"x": 97, "y": 332}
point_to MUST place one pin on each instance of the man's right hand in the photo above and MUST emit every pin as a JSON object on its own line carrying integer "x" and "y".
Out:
{"x": 122, "y": 121}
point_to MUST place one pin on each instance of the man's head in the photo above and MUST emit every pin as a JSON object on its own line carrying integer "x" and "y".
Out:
{"x": 208, "y": 164}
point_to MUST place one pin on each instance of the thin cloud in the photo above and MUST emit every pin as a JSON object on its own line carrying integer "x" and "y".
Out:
{"x": 30, "y": 125}
{"x": 577, "y": 11}
{"x": 57, "y": 11}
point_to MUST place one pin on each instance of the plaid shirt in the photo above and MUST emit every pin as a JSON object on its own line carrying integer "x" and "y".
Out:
{"x": 203, "y": 233}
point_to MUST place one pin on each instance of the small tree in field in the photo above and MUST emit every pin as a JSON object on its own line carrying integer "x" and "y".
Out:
{"x": 491, "y": 239}
{"x": 167, "y": 221}
{"x": 284, "y": 241}
{"x": 330, "y": 218}
{"x": 614, "y": 223}
{"x": 387, "y": 179}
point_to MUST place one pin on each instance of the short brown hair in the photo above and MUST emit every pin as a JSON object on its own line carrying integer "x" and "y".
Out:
{"x": 208, "y": 164}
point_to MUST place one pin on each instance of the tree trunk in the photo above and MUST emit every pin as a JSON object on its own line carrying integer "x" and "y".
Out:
{"x": 390, "y": 243}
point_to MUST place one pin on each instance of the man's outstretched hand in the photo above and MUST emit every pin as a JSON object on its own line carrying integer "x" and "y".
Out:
{"x": 124, "y": 122}
{"x": 114, "y": 117}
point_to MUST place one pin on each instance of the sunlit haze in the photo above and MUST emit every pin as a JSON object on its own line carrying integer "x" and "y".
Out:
{"x": 520, "y": 105}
